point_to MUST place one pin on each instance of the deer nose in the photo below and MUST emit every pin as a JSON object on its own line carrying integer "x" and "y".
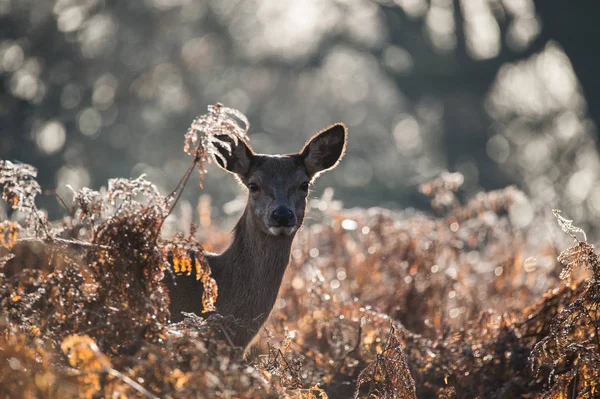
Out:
{"x": 283, "y": 216}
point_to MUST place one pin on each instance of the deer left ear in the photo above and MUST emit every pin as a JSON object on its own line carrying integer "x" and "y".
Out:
{"x": 325, "y": 149}
{"x": 234, "y": 157}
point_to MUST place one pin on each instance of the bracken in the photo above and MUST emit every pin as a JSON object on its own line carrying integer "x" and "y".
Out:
{"x": 461, "y": 304}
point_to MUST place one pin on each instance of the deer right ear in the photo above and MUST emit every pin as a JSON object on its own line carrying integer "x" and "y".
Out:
{"x": 325, "y": 150}
{"x": 235, "y": 159}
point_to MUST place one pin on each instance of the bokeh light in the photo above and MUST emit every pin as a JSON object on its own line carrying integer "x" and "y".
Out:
{"x": 95, "y": 89}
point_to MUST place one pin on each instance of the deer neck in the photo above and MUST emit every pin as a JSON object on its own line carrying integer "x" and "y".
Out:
{"x": 250, "y": 271}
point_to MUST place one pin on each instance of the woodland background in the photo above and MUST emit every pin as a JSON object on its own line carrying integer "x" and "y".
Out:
{"x": 503, "y": 91}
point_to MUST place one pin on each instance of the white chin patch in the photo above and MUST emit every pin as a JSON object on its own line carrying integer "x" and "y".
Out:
{"x": 282, "y": 231}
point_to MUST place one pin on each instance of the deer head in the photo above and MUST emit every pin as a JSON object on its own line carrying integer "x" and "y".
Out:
{"x": 278, "y": 185}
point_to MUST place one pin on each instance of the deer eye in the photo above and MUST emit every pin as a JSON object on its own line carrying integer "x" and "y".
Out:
{"x": 304, "y": 186}
{"x": 253, "y": 187}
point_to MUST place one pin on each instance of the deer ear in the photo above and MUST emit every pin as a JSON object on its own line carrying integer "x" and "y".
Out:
{"x": 325, "y": 149}
{"x": 231, "y": 156}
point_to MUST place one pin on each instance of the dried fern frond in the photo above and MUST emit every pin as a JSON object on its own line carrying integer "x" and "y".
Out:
{"x": 20, "y": 186}
{"x": 20, "y": 189}
{"x": 202, "y": 137}
{"x": 88, "y": 203}
{"x": 388, "y": 376}
{"x": 129, "y": 192}
{"x": 581, "y": 254}
{"x": 567, "y": 226}
{"x": 571, "y": 350}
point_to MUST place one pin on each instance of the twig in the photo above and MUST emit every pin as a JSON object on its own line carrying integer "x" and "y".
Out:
{"x": 66, "y": 242}
{"x": 292, "y": 371}
{"x": 108, "y": 369}
{"x": 130, "y": 382}
{"x": 179, "y": 190}
{"x": 79, "y": 243}
{"x": 575, "y": 380}
{"x": 224, "y": 331}
{"x": 60, "y": 200}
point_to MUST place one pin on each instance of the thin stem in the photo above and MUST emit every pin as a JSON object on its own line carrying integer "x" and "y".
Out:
{"x": 60, "y": 200}
{"x": 108, "y": 368}
{"x": 179, "y": 190}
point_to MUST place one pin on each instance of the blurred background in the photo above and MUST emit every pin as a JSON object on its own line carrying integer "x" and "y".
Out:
{"x": 503, "y": 91}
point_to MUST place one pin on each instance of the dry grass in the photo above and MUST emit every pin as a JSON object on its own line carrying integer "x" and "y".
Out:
{"x": 374, "y": 305}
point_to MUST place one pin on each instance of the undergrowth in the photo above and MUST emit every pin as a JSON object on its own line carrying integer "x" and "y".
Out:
{"x": 375, "y": 304}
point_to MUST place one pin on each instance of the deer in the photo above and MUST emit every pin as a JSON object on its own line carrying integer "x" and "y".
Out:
{"x": 250, "y": 271}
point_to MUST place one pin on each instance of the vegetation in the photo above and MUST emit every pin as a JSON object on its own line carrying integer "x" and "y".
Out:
{"x": 457, "y": 304}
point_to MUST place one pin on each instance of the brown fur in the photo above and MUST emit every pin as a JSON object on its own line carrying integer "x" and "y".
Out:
{"x": 250, "y": 271}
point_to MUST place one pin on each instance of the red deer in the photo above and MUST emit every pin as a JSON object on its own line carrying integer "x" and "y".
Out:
{"x": 250, "y": 271}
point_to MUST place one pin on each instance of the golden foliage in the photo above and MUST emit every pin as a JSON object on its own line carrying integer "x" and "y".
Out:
{"x": 9, "y": 233}
{"x": 186, "y": 256}
{"x": 84, "y": 355}
{"x": 373, "y": 304}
